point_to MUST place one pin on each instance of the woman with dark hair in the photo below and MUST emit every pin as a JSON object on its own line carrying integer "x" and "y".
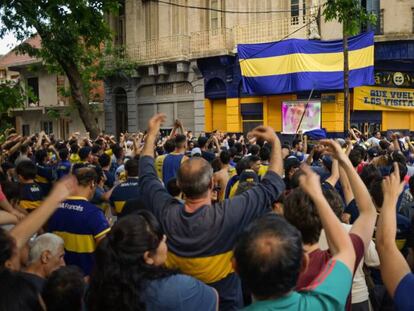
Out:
{"x": 17, "y": 293}
{"x": 130, "y": 274}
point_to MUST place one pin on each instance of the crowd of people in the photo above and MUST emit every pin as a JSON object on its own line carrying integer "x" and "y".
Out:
{"x": 170, "y": 221}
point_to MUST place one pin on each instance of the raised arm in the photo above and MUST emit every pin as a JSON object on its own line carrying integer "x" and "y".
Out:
{"x": 339, "y": 241}
{"x": 393, "y": 265}
{"x": 333, "y": 178}
{"x": 151, "y": 187}
{"x": 346, "y": 186}
{"x": 268, "y": 134}
{"x": 35, "y": 220}
{"x": 365, "y": 223}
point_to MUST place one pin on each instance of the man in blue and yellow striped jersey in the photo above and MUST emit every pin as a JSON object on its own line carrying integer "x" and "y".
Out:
{"x": 46, "y": 174}
{"x": 80, "y": 223}
{"x": 31, "y": 195}
{"x": 201, "y": 235}
{"x": 126, "y": 190}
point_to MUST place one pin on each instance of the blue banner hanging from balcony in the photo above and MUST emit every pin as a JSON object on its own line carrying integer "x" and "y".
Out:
{"x": 295, "y": 65}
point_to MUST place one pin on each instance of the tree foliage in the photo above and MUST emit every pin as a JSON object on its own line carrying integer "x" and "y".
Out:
{"x": 352, "y": 16}
{"x": 349, "y": 13}
{"x": 73, "y": 33}
{"x": 12, "y": 95}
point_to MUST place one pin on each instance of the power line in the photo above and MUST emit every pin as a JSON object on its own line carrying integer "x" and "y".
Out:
{"x": 228, "y": 11}
{"x": 264, "y": 49}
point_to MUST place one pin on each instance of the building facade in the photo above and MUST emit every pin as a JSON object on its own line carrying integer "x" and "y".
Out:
{"x": 48, "y": 110}
{"x": 187, "y": 64}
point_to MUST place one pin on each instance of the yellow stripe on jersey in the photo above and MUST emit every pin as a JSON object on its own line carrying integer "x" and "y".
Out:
{"x": 263, "y": 170}
{"x": 41, "y": 179}
{"x": 77, "y": 243}
{"x": 119, "y": 206}
{"x": 74, "y": 158}
{"x": 159, "y": 162}
{"x": 207, "y": 269}
{"x": 26, "y": 204}
{"x": 233, "y": 189}
{"x": 97, "y": 236}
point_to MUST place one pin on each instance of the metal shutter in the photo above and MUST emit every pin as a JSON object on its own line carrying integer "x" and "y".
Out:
{"x": 168, "y": 109}
{"x": 145, "y": 112}
{"x": 185, "y": 112}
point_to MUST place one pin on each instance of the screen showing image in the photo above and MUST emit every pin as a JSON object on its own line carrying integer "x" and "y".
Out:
{"x": 292, "y": 113}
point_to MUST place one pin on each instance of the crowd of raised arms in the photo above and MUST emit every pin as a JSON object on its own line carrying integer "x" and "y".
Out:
{"x": 215, "y": 222}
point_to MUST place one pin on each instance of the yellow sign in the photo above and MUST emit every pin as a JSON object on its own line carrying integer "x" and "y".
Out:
{"x": 383, "y": 98}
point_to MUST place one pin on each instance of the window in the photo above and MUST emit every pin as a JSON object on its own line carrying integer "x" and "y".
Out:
{"x": 381, "y": 21}
{"x": 252, "y": 116}
{"x": 412, "y": 17}
{"x": 304, "y": 11}
{"x": 214, "y": 14}
{"x": 26, "y": 130}
{"x": 47, "y": 126}
{"x": 33, "y": 84}
{"x": 294, "y": 12}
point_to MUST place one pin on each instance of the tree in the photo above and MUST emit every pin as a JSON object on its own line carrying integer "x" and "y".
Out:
{"x": 72, "y": 34}
{"x": 352, "y": 16}
{"x": 12, "y": 95}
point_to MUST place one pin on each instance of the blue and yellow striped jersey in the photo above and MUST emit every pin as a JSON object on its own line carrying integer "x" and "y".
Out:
{"x": 45, "y": 176}
{"x": 31, "y": 196}
{"x": 79, "y": 223}
{"x": 123, "y": 192}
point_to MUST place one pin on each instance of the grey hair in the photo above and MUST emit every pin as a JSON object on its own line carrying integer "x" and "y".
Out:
{"x": 45, "y": 242}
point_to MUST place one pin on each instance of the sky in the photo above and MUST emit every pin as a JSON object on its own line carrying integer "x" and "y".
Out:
{"x": 7, "y": 43}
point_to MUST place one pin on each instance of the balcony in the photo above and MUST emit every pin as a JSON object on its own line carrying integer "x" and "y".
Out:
{"x": 212, "y": 42}
{"x": 159, "y": 50}
{"x": 219, "y": 41}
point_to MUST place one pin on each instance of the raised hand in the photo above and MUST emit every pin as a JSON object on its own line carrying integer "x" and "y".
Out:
{"x": 64, "y": 188}
{"x": 392, "y": 185}
{"x": 265, "y": 133}
{"x": 333, "y": 149}
{"x": 155, "y": 122}
{"x": 309, "y": 181}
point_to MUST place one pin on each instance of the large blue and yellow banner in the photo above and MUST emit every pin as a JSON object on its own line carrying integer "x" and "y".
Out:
{"x": 296, "y": 65}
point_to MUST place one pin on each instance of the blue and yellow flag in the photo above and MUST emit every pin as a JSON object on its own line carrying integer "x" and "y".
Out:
{"x": 301, "y": 65}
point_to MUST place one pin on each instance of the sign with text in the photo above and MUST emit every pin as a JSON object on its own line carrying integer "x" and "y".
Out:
{"x": 383, "y": 98}
{"x": 297, "y": 116}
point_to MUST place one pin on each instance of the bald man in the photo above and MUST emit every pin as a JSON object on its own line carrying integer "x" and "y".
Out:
{"x": 201, "y": 235}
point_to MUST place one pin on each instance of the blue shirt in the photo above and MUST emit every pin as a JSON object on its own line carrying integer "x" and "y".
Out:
{"x": 179, "y": 293}
{"x": 63, "y": 168}
{"x": 110, "y": 178}
{"x": 45, "y": 176}
{"x": 79, "y": 223}
{"x": 123, "y": 192}
{"x": 403, "y": 294}
{"x": 170, "y": 166}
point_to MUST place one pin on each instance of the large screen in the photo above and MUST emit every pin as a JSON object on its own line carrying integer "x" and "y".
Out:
{"x": 292, "y": 113}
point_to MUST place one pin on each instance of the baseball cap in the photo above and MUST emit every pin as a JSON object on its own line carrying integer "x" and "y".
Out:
{"x": 248, "y": 176}
{"x": 196, "y": 151}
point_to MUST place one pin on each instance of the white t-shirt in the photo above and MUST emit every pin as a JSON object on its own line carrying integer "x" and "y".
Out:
{"x": 371, "y": 259}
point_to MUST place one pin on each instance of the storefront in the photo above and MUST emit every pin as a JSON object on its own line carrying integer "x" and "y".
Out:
{"x": 391, "y": 108}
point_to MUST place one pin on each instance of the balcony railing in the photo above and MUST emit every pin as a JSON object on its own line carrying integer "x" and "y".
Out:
{"x": 211, "y": 42}
{"x": 216, "y": 41}
{"x": 174, "y": 47}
